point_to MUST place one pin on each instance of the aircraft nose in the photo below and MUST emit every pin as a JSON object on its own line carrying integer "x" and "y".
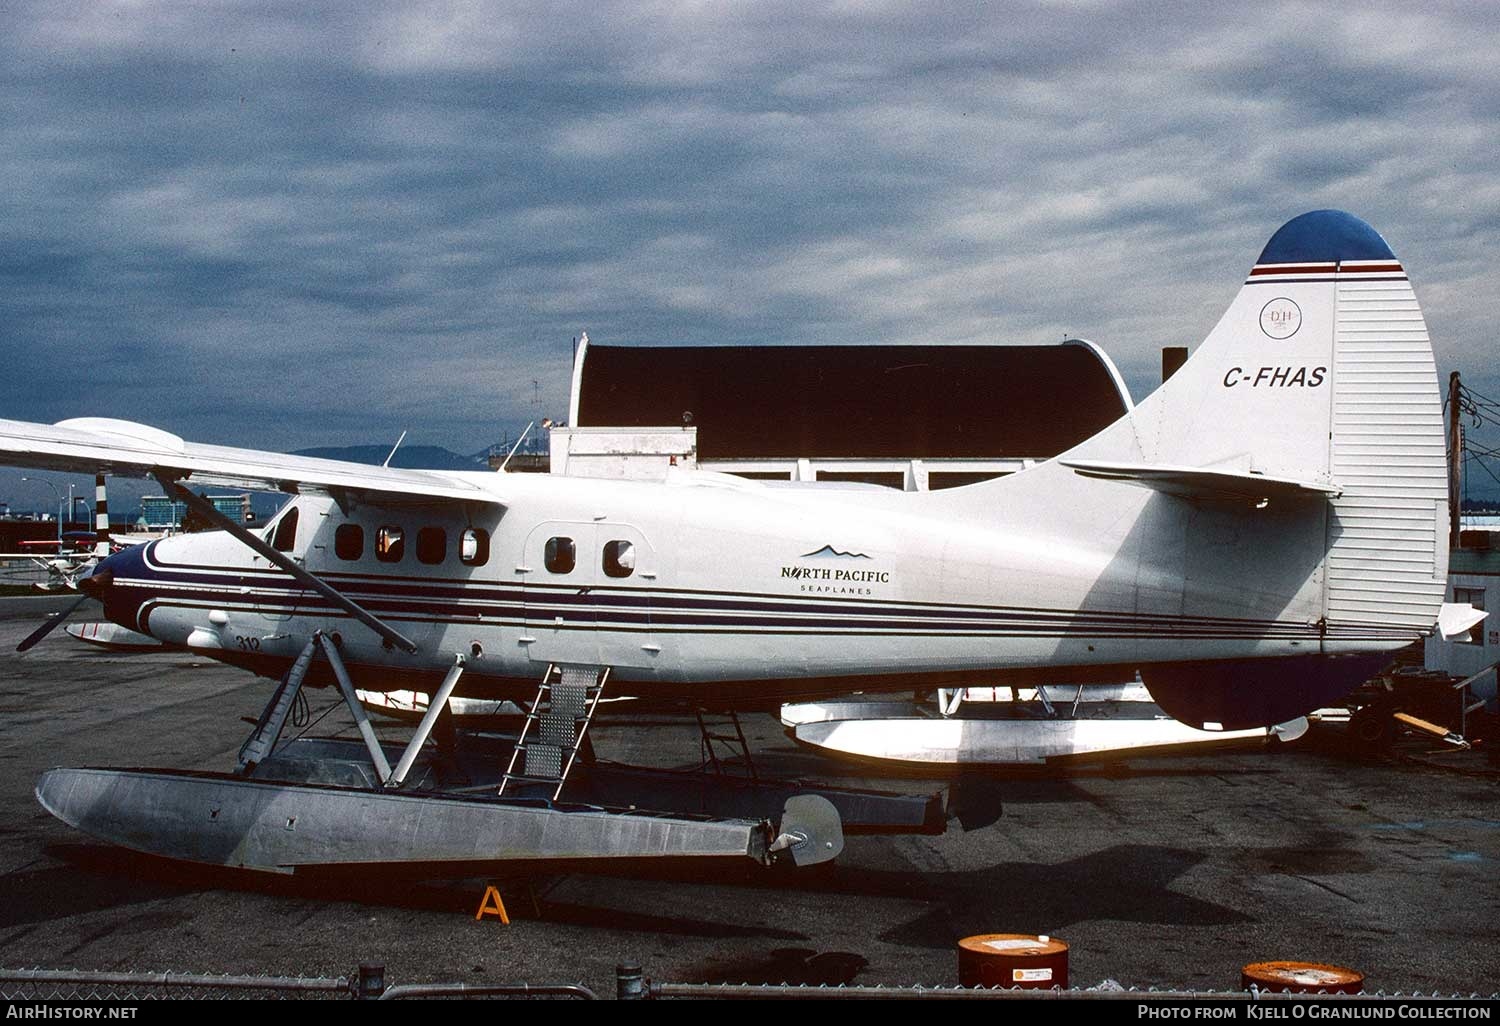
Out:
{"x": 97, "y": 581}
{"x": 125, "y": 563}
{"x": 116, "y": 582}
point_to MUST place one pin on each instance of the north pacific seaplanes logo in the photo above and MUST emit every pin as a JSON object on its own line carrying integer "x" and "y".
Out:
{"x": 834, "y": 579}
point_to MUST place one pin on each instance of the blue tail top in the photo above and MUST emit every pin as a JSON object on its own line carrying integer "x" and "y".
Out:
{"x": 1325, "y": 236}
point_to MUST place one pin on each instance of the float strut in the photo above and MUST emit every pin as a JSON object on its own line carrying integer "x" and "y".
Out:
{"x": 268, "y": 729}
{"x": 435, "y": 706}
{"x": 361, "y": 718}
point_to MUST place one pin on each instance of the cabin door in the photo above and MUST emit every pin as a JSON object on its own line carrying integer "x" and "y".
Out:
{"x": 583, "y": 596}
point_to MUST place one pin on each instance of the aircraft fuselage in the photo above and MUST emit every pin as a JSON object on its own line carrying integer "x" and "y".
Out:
{"x": 681, "y": 587}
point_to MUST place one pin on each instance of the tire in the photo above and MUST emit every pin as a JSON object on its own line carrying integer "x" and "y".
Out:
{"x": 1373, "y": 726}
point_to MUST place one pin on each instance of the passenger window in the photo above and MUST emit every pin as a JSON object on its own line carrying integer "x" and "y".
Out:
{"x": 561, "y": 555}
{"x": 619, "y": 559}
{"x": 474, "y": 547}
{"x": 286, "y": 532}
{"x": 432, "y": 545}
{"x": 390, "y": 544}
{"x": 349, "y": 541}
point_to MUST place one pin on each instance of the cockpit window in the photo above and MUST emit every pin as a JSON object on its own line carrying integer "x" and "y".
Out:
{"x": 285, "y": 539}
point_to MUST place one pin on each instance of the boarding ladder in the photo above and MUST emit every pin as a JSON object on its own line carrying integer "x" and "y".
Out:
{"x": 556, "y": 727}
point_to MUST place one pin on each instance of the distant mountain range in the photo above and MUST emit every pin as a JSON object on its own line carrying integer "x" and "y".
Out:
{"x": 412, "y": 457}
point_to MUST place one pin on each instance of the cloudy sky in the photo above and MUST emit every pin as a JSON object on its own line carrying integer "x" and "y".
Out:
{"x": 284, "y": 225}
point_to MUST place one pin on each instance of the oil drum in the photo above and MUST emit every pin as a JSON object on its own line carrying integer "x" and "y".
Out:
{"x": 1301, "y": 978}
{"x": 1018, "y": 960}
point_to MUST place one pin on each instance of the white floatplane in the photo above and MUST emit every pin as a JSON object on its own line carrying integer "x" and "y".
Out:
{"x": 1254, "y": 539}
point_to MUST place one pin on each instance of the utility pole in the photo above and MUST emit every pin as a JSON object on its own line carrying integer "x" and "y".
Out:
{"x": 536, "y": 414}
{"x": 1455, "y": 461}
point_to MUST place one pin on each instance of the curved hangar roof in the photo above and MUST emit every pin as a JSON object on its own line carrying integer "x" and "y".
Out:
{"x": 887, "y": 402}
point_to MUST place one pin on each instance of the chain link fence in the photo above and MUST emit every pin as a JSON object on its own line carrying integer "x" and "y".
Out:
{"x": 369, "y": 983}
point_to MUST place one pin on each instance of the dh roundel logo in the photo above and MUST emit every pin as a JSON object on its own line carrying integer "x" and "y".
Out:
{"x": 1280, "y": 318}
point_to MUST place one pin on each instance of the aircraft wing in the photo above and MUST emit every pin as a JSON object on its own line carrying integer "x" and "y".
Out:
{"x": 92, "y": 445}
{"x": 1205, "y": 483}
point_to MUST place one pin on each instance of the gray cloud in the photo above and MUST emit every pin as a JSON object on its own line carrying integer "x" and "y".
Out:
{"x": 283, "y": 225}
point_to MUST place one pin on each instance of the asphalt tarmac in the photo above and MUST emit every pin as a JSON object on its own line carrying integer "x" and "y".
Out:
{"x": 1163, "y": 872}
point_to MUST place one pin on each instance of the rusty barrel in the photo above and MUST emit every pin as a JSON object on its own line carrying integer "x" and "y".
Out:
{"x": 1020, "y": 960}
{"x": 1302, "y": 978}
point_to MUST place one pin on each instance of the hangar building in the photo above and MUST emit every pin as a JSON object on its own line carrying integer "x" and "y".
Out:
{"x": 905, "y": 416}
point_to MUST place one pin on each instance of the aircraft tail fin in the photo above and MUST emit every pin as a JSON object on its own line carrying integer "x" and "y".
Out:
{"x": 1301, "y": 454}
{"x": 1319, "y": 378}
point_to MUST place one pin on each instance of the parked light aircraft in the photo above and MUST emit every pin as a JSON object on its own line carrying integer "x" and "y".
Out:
{"x": 65, "y": 569}
{"x": 1254, "y": 538}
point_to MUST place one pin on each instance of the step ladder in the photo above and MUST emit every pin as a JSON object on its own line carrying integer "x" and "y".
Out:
{"x": 556, "y": 728}
{"x": 713, "y": 736}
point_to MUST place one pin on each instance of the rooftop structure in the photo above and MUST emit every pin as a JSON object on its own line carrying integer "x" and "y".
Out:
{"x": 160, "y": 513}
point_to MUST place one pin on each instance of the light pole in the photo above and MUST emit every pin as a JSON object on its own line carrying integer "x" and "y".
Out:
{"x": 57, "y": 493}
{"x": 73, "y": 508}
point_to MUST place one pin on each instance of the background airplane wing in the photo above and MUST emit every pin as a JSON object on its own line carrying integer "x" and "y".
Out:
{"x": 91, "y": 445}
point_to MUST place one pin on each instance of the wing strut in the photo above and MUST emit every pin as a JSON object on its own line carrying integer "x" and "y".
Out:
{"x": 206, "y": 510}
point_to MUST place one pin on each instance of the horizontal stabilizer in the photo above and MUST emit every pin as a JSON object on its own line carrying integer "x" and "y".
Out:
{"x": 1202, "y": 483}
{"x": 1455, "y": 618}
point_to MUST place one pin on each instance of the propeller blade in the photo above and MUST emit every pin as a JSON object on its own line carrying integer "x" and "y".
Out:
{"x": 51, "y": 624}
